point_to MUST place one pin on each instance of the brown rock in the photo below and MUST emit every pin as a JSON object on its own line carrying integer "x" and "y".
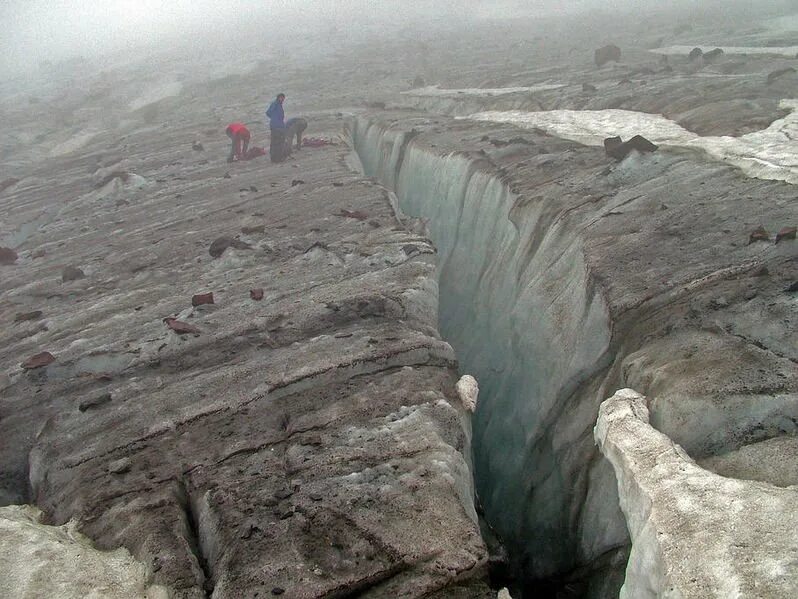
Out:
{"x": 785, "y": 233}
{"x": 201, "y": 299}
{"x": 180, "y": 327}
{"x": 71, "y": 273}
{"x": 256, "y": 294}
{"x": 610, "y": 53}
{"x": 7, "y": 256}
{"x": 758, "y": 234}
{"x": 220, "y": 244}
{"x": 24, "y": 316}
{"x": 38, "y": 361}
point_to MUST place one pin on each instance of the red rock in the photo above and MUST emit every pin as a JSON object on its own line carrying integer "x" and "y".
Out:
{"x": 256, "y": 294}
{"x": 7, "y": 256}
{"x": 758, "y": 234}
{"x": 180, "y": 327}
{"x": 201, "y": 299}
{"x": 786, "y": 233}
{"x": 38, "y": 361}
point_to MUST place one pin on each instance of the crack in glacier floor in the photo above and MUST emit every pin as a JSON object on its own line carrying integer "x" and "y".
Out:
{"x": 767, "y": 154}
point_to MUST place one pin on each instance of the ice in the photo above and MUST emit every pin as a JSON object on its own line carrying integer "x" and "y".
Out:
{"x": 156, "y": 94}
{"x": 768, "y": 154}
{"x": 436, "y": 91}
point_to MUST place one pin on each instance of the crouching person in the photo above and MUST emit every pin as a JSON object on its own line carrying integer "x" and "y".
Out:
{"x": 295, "y": 128}
{"x": 239, "y": 135}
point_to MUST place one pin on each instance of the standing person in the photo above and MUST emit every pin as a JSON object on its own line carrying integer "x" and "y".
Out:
{"x": 276, "y": 116}
{"x": 239, "y": 135}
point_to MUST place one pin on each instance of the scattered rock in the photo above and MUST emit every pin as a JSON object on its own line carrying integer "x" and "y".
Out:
{"x": 200, "y": 299}
{"x": 356, "y": 214}
{"x": 253, "y": 229}
{"x": 180, "y": 327}
{"x": 25, "y": 316}
{"x": 72, "y": 273}
{"x": 786, "y": 233}
{"x": 589, "y": 88}
{"x": 120, "y": 466}
{"x": 780, "y": 73}
{"x": 619, "y": 149}
{"x": 197, "y": 147}
{"x": 6, "y": 183}
{"x": 7, "y": 256}
{"x": 220, "y": 244}
{"x": 296, "y": 182}
{"x": 758, "y": 234}
{"x": 609, "y": 53}
{"x": 256, "y": 294}
{"x": 38, "y": 361}
{"x": 695, "y": 54}
{"x": 94, "y": 402}
{"x": 713, "y": 54}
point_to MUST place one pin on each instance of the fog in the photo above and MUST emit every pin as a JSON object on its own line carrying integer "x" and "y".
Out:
{"x": 53, "y": 30}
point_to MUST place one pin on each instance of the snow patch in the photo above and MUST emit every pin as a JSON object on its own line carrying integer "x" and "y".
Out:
{"x": 435, "y": 91}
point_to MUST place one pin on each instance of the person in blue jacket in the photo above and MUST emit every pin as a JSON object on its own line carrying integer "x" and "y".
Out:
{"x": 276, "y": 116}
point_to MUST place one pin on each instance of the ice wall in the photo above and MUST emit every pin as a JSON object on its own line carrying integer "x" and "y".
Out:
{"x": 768, "y": 154}
{"x": 527, "y": 322}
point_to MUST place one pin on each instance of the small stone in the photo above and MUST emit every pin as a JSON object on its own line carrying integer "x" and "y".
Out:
{"x": 38, "y": 253}
{"x": 588, "y": 88}
{"x": 253, "y": 229}
{"x": 316, "y": 496}
{"x": 5, "y": 184}
{"x": 278, "y": 591}
{"x": 337, "y": 184}
{"x": 94, "y": 402}
{"x": 785, "y": 233}
{"x": 758, "y": 234}
{"x": 38, "y": 361}
{"x": 120, "y": 466}
{"x": 7, "y": 256}
{"x": 283, "y": 493}
{"x": 762, "y": 271}
{"x": 718, "y": 303}
{"x": 202, "y": 299}
{"x": 253, "y": 189}
{"x": 792, "y": 288}
{"x": 25, "y": 316}
{"x": 610, "y": 53}
{"x": 71, "y": 273}
{"x": 256, "y": 294}
{"x": 197, "y": 147}
{"x": 285, "y": 513}
{"x": 227, "y": 176}
{"x": 356, "y": 214}
{"x": 296, "y": 182}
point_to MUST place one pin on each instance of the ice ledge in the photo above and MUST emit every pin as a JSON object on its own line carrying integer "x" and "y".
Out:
{"x": 694, "y": 533}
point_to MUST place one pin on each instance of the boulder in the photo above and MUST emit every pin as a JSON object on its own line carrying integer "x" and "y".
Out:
{"x": 758, "y": 234}
{"x": 619, "y": 149}
{"x": 713, "y": 54}
{"x": 695, "y": 54}
{"x": 780, "y": 73}
{"x": 786, "y": 233}
{"x": 256, "y": 294}
{"x": 418, "y": 82}
{"x": 220, "y": 244}
{"x": 588, "y": 88}
{"x": 609, "y": 53}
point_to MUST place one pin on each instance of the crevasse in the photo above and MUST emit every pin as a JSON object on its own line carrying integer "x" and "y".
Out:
{"x": 517, "y": 304}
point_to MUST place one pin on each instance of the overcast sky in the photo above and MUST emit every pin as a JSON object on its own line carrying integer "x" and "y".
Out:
{"x": 36, "y": 30}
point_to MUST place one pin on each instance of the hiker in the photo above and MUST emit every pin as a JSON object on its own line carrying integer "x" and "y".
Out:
{"x": 239, "y": 135}
{"x": 295, "y": 127}
{"x": 276, "y": 116}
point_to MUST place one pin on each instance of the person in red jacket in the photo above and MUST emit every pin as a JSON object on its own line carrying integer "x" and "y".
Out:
{"x": 239, "y": 134}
